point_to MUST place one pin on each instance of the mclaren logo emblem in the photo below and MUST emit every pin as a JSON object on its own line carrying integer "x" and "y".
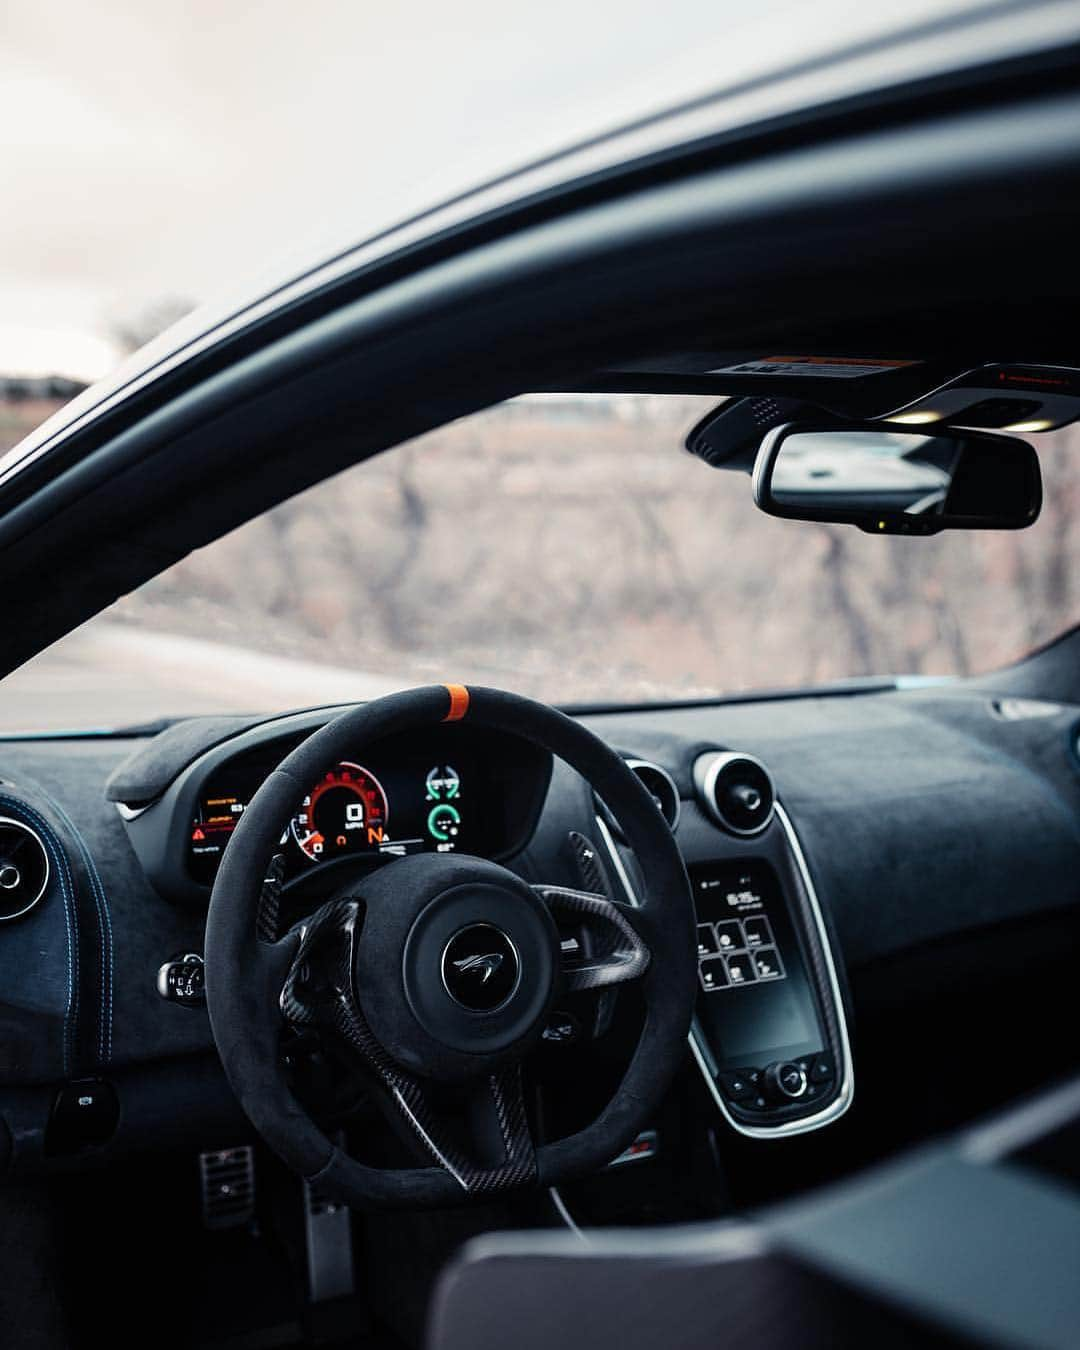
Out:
{"x": 480, "y": 968}
{"x": 484, "y": 965}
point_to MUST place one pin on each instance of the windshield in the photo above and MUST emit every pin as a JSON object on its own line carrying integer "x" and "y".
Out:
{"x": 566, "y": 548}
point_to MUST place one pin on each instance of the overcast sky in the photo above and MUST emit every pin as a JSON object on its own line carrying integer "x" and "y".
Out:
{"x": 156, "y": 150}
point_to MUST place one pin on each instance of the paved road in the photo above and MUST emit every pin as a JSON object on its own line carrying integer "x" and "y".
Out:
{"x": 109, "y": 675}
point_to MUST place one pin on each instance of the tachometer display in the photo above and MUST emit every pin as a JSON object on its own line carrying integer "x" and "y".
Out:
{"x": 345, "y": 812}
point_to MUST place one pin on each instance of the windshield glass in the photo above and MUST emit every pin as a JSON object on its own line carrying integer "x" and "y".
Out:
{"x": 566, "y": 548}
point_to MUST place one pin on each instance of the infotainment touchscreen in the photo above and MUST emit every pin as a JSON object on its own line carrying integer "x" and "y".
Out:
{"x": 755, "y": 1001}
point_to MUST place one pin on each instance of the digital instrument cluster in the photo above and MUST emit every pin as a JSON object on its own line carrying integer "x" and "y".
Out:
{"x": 440, "y": 789}
{"x": 410, "y": 808}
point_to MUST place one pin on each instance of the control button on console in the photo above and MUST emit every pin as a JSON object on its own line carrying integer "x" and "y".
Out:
{"x": 757, "y": 931}
{"x": 85, "y": 1113}
{"x": 712, "y": 974}
{"x": 706, "y": 940}
{"x": 729, "y": 935}
{"x": 740, "y": 968}
{"x": 736, "y": 1085}
{"x": 767, "y": 964}
{"x": 785, "y": 1082}
{"x": 822, "y": 1069}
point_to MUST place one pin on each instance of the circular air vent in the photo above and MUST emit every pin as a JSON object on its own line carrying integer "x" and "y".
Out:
{"x": 661, "y": 787}
{"x": 736, "y": 791}
{"x": 24, "y": 869}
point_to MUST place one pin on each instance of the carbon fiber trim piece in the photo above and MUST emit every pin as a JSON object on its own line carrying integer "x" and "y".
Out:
{"x": 267, "y": 921}
{"x": 615, "y": 953}
{"x": 318, "y": 994}
{"x": 588, "y": 865}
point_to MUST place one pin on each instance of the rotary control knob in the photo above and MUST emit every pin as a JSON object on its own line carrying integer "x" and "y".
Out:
{"x": 784, "y": 1082}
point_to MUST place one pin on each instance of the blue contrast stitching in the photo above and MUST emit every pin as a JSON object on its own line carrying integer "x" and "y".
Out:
{"x": 105, "y": 934}
{"x": 70, "y": 917}
{"x": 107, "y": 959}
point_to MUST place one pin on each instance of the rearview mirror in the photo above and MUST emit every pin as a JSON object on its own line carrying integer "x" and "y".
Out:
{"x": 898, "y": 480}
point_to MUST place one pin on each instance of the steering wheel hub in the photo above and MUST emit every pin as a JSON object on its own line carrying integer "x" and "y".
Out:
{"x": 456, "y": 971}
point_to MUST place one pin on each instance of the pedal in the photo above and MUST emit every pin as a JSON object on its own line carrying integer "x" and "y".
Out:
{"x": 329, "y": 1246}
{"x": 227, "y": 1181}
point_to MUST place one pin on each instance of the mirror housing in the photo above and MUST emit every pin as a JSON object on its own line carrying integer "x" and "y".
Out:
{"x": 898, "y": 480}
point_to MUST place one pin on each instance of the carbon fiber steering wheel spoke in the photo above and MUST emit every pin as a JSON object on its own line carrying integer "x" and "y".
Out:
{"x": 316, "y": 992}
{"x": 496, "y": 1152}
{"x": 605, "y": 948}
{"x": 499, "y": 1154}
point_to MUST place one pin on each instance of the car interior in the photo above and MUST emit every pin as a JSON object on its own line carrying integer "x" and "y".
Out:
{"x": 461, "y": 1019}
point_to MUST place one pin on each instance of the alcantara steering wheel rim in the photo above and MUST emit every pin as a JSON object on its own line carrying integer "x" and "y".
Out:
{"x": 246, "y": 975}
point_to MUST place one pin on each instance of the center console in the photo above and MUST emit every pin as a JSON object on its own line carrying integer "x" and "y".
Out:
{"x": 770, "y": 1034}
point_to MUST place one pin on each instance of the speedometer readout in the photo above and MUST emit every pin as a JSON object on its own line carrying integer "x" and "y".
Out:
{"x": 345, "y": 812}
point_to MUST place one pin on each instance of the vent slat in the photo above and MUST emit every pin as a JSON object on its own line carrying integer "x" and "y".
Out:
{"x": 227, "y": 1180}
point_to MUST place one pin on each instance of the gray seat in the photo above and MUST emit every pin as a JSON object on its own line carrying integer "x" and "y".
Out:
{"x": 973, "y": 1241}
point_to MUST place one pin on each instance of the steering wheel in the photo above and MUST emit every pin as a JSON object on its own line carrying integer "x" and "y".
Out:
{"x": 441, "y": 969}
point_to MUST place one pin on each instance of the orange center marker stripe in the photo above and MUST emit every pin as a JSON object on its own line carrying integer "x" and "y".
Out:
{"x": 459, "y": 702}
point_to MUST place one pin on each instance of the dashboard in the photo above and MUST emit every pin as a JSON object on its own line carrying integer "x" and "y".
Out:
{"x": 857, "y": 926}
